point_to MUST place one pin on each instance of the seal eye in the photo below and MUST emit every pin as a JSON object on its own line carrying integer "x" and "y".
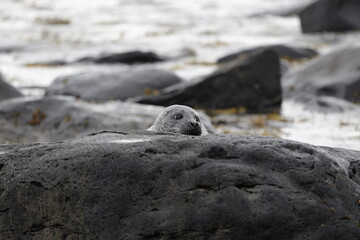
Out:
{"x": 178, "y": 116}
{"x": 197, "y": 118}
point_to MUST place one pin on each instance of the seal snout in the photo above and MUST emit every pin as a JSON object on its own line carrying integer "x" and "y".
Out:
{"x": 193, "y": 129}
{"x": 194, "y": 125}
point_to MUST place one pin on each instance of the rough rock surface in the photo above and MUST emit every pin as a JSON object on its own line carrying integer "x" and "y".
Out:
{"x": 124, "y": 58}
{"x": 286, "y": 52}
{"x": 151, "y": 186}
{"x": 121, "y": 85}
{"x": 7, "y": 91}
{"x": 331, "y": 16}
{"x": 252, "y": 83}
{"x": 57, "y": 118}
{"x": 336, "y": 74}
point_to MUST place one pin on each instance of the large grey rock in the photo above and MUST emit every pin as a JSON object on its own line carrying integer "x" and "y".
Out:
{"x": 251, "y": 83}
{"x": 129, "y": 58}
{"x": 62, "y": 117}
{"x": 7, "y": 91}
{"x": 148, "y": 186}
{"x": 335, "y": 74}
{"x": 286, "y": 52}
{"x": 331, "y": 16}
{"x": 102, "y": 87}
{"x": 56, "y": 118}
{"x": 327, "y": 104}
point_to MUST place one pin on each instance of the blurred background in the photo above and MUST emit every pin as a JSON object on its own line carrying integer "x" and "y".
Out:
{"x": 282, "y": 68}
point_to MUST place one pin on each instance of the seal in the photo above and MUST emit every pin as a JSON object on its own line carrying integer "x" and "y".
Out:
{"x": 179, "y": 119}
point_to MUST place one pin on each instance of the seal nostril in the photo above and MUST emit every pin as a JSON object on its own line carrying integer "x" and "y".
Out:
{"x": 194, "y": 124}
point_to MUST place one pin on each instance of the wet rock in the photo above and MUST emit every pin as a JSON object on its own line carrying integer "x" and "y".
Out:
{"x": 133, "y": 57}
{"x": 350, "y": 90}
{"x": 9, "y": 48}
{"x": 336, "y": 74}
{"x": 62, "y": 117}
{"x": 120, "y": 85}
{"x": 7, "y": 91}
{"x": 124, "y": 58}
{"x": 284, "y": 12}
{"x": 251, "y": 83}
{"x": 331, "y": 16}
{"x": 155, "y": 186}
{"x": 326, "y": 104}
{"x": 286, "y": 52}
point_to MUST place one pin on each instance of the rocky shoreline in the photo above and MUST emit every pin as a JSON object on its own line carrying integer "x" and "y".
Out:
{"x": 76, "y": 161}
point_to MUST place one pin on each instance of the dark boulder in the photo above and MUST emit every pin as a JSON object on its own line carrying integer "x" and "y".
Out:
{"x": 251, "y": 83}
{"x": 9, "y": 48}
{"x": 7, "y": 91}
{"x": 331, "y": 16}
{"x": 120, "y": 85}
{"x": 62, "y": 117}
{"x": 155, "y": 186}
{"x": 336, "y": 74}
{"x": 132, "y": 57}
{"x": 285, "y": 52}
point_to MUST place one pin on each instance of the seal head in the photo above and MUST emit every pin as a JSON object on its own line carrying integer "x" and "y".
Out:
{"x": 179, "y": 119}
